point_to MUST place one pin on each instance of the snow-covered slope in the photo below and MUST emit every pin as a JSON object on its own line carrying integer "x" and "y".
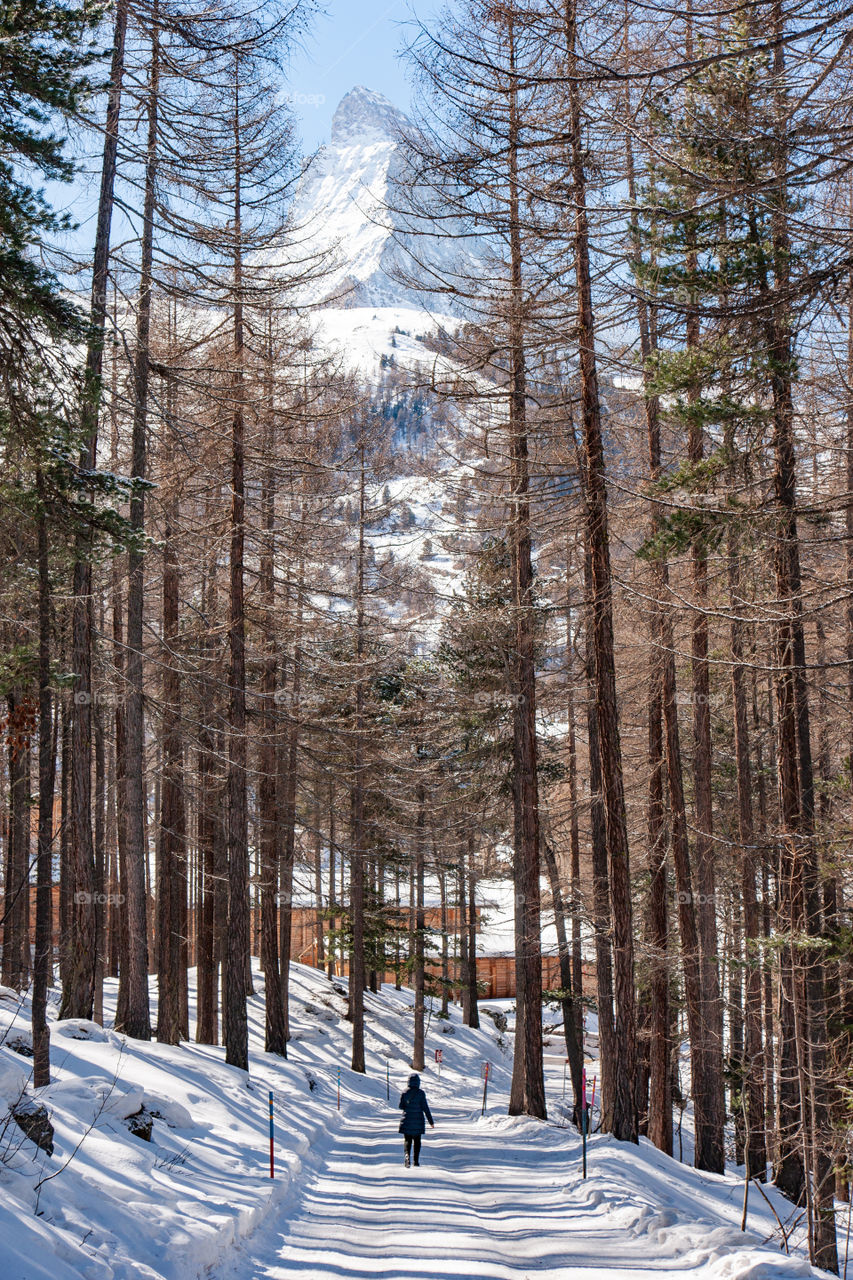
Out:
{"x": 498, "y": 1198}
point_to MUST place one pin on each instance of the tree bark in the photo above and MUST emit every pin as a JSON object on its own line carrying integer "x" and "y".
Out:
{"x": 420, "y": 938}
{"x": 134, "y": 976}
{"x": 43, "y": 950}
{"x": 473, "y": 993}
{"x": 16, "y": 904}
{"x": 78, "y": 978}
{"x": 568, "y": 1001}
{"x": 357, "y": 834}
{"x": 753, "y": 1085}
{"x": 237, "y": 941}
{"x": 600, "y": 892}
{"x": 172, "y": 1015}
{"x": 527, "y": 1093}
{"x": 624, "y": 1111}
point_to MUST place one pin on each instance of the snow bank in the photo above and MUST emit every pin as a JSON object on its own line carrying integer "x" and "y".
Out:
{"x": 197, "y": 1198}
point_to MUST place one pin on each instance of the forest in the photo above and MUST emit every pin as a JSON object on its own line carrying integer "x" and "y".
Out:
{"x": 238, "y": 682}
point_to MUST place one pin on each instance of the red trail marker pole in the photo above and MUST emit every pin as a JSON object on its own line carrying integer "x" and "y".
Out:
{"x": 272, "y": 1140}
{"x": 438, "y": 1060}
{"x": 339, "y": 1088}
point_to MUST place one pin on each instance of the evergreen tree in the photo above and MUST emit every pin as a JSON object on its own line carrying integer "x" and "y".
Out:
{"x": 46, "y": 55}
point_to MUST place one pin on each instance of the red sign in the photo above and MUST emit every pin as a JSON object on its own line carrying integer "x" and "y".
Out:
{"x": 438, "y": 1055}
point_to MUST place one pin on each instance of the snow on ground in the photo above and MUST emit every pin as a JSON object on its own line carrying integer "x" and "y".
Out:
{"x": 496, "y": 1197}
{"x": 360, "y": 336}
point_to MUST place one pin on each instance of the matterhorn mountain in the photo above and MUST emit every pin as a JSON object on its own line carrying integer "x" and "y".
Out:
{"x": 351, "y": 205}
{"x": 343, "y": 204}
{"x": 354, "y": 214}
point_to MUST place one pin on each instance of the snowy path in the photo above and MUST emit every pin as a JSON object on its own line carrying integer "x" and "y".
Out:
{"x": 496, "y": 1198}
{"x": 499, "y": 1200}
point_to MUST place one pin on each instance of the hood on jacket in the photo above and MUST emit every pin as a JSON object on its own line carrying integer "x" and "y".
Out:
{"x": 414, "y": 1081}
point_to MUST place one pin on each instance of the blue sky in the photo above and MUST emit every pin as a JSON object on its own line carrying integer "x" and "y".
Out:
{"x": 355, "y": 43}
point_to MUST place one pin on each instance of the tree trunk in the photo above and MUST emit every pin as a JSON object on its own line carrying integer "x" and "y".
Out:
{"x": 43, "y": 951}
{"x": 568, "y": 1001}
{"x": 420, "y": 939}
{"x": 275, "y": 1036}
{"x": 134, "y": 977}
{"x": 600, "y": 893}
{"x": 659, "y": 1127}
{"x": 753, "y": 1056}
{"x": 357, "y": 841}
{"x": 208, "y": 825}
{"x": 623, "y": 1116}
{"x": 527, "y": 1094}
{"x": 462, "y": 924}
{"x": 236, "y": 944}
{"x": 473, "y": 993}
{"x": 288, "y": 759}
{"x": 16, "y": 904}
{"x": 574, "y": 826}
{"x": 333, "y": 896}
{"x": 318, "y": 879}
{"x": 710, "y": 1148}
{"x": 445, "y": 951}
{"x": 172, "y": 1016}
{"x": 78, "y": 979}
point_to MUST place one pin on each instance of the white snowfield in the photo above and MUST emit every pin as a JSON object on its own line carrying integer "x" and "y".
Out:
{"x": 495, "y": 1197}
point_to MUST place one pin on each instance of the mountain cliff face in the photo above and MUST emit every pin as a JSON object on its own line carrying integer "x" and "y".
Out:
{"x": 349, "y": 209}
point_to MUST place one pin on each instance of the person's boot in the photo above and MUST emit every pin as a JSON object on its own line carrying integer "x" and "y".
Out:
{"x": 407, "y": 1160}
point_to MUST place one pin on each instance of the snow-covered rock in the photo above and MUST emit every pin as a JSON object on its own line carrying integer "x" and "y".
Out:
{"x": 79, "y": 1029}
{"x": 14, "y": 1075}
{"x": 168, "y": 1110}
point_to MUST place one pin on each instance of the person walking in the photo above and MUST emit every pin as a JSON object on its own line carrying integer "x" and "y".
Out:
{"x": 416, "y": 1111}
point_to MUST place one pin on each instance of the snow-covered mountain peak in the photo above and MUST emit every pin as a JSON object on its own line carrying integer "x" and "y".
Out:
{"x": 364, "y": 116}
{"x": 358, "y": 210}
{"x": 346, "y": 203}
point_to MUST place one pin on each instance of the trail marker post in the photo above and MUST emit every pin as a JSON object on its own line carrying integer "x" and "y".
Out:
{"x": 339, "y": 1088}
{"x": 438, "y": 1060}
{"x": 583, "y": 1121}
{"x": 388, "y": 1079}
{"x": 272, "y": 1139}
{"x": 565, "y": 1064}
{"x": 485, "y": 1070}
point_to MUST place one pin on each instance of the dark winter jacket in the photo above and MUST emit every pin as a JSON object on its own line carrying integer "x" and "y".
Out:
{"x": 415, "y": 1107}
